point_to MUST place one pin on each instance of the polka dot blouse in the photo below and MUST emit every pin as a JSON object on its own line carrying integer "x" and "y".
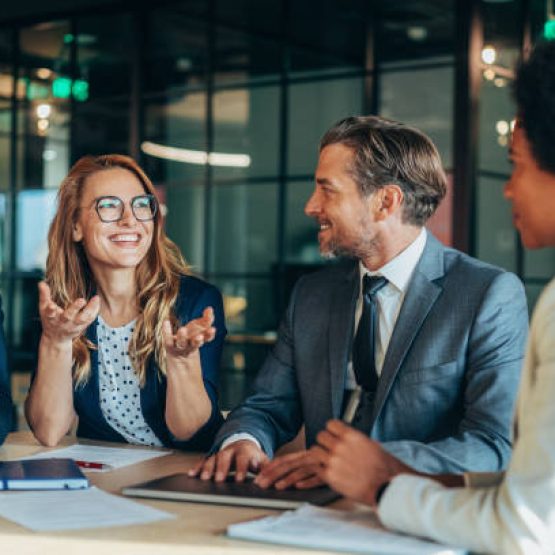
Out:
{"x": 120, "y": 397}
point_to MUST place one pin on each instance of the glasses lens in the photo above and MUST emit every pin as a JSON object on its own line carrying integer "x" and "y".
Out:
{"x": 144, "y": 207}
{"x": 109, "y": 208}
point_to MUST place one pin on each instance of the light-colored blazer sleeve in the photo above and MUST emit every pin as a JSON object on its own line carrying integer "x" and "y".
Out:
{"x": 518, "y": 515}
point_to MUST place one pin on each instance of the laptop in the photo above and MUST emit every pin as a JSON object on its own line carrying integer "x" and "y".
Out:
{"x": 181, "y": 487}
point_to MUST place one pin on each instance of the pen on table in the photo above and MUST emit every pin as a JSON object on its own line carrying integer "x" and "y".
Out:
{"x": 352, "y": 405}
{"x": 91, "y": 465}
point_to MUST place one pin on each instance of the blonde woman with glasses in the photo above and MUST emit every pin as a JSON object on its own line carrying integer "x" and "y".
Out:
{"x": 131, "y": 342}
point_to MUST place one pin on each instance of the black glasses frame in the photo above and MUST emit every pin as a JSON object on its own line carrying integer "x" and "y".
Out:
{"x": 151, "y": 198}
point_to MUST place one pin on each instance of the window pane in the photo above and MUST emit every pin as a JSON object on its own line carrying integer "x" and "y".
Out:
{"x": 241, "y": 57}
{"x": 539, "y": 264}
{"x": 185, "y": 219}
{"x": 243, "y": 228}
{"x": 105, "y": 46}
{"x": 301, "y": 232}
{"x": 246, "y": 124}
{"x": 37, "y": 206}
{"x": 497, "y": 109}
{"x": 250, "y": 305}
{"x": 175, "y": 135}
{"x": 314, "y": 108}
{"x": 3, "y": 231}
{"x": 101, "y": 127}
{"x": 496, "y": 237}
{"x": 44, "y": 91}
{"x": 176, "y": 50}
{"x": 26, "y": 324}
{"x": 423, "y": 98}
{"x": 327, "y": 35}
{"x": 414, "y": 30}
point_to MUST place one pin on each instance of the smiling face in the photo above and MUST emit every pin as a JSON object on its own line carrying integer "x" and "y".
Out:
{"x": 347, "y": 220}
{"x": 531, "y": 191}
{"x": 115, "y": 245}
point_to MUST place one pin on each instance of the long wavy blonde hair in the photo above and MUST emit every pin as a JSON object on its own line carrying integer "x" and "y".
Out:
{"x": 69, "y": 275}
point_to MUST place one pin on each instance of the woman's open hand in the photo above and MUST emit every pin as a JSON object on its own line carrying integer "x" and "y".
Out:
{"x": 190, "y": 337}
{"x": 63, "y": 325}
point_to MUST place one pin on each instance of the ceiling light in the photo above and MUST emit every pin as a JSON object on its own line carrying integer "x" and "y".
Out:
{"x": 44, "y": 111}
{"x": 417, "y": 33}
{"x": 489, "y": 55}
{"x": 199, "y": 157}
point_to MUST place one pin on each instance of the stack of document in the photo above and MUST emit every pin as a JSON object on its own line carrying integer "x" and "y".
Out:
{"x": 317, "y": 528}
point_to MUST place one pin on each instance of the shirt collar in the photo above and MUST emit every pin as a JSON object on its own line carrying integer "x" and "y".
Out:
{"x": 399, "y": 270}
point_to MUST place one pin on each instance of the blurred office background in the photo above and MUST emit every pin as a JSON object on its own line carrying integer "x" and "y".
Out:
{"x": 223, "y": 103}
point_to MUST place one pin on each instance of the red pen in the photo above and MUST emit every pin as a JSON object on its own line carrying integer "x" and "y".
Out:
{"x": 93, "y": 465}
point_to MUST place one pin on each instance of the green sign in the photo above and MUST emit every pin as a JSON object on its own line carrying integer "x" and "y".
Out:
{"x": 549, "y": 29}
{"x": 61, "y": 87}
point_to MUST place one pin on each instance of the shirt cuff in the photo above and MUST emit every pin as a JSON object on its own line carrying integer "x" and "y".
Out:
{"x": 238, "y": 437}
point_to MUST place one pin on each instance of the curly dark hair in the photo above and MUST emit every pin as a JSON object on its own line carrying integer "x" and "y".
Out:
{"x": 534, "y": 92}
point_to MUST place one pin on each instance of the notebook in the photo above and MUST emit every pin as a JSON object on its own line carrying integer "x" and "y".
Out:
{"x": 181, "y": 487}
{"x": 41, "y": 474}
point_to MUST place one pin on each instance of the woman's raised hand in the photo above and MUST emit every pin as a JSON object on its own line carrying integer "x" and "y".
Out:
{"x": 190, "y": 337}
{"x": 63, "y": 325}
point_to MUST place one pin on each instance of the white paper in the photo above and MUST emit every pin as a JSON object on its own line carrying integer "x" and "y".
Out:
{"x": 112, "y": 457}
{"x": 353, "y": 531}
{"x": 74, "y": 509}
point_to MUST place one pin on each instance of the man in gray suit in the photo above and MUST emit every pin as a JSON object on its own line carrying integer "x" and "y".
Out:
{"x": 434, "y": 362}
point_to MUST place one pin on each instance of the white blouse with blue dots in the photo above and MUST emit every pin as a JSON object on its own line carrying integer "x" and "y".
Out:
{"x": 120, "y": 394}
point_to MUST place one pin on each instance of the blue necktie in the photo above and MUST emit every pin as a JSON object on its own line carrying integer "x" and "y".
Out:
{"x": 364, "y": 353}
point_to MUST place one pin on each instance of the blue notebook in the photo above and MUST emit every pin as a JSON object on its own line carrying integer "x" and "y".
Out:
{"x": 36, "y": 474}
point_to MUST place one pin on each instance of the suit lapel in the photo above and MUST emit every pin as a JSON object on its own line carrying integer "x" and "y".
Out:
{"x": 341, "y": 318}
{"x": 420, "y": 297}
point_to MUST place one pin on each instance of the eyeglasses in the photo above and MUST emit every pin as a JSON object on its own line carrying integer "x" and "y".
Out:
{"x": 110, "y": 209}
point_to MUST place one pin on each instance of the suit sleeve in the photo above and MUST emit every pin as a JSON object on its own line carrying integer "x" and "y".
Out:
{"x": 517, "y": 517}
{"x": 482, "y": 438}
{"x": 272, "y": 414}
{"x": 210, "y": 358}
{"x": 5, "y": 397}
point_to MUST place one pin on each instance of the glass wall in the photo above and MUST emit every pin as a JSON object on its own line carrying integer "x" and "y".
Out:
{"x": 223, "y": 103}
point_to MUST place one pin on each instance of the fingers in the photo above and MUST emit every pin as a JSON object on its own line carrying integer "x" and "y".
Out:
{"x": 70, "y": 313}
{"x": 44, "y": 295}
{"x": 167, "y": 336}
{"x": 197, "y": 469}
{"x": 312, "y": 482}
{"x": 304, "y": 474}
{"x": 279, "y": 468}
{"x": 223, "y": 464}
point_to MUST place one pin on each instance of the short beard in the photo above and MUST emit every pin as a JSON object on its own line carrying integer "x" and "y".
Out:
{"x": 359, "y": 251}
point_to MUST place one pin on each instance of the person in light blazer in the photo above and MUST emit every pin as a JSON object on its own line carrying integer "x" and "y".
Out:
{"x": 131, "y": 342}
{"x": 448, "y": 348}
{"x": 512, "y": 512}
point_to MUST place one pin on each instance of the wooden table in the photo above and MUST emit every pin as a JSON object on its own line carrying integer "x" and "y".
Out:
{"x": 198, "y": 528}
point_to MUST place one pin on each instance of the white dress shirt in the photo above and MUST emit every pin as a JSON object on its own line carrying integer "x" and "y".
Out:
{"x": 398, "y": 273}
{"x": 510, "y": 513}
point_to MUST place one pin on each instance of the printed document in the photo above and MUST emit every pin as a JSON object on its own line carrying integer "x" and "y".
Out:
{"x": 109, "y": 457}
{"x": 352, "y": 531}
{"x": 74, "y": 509}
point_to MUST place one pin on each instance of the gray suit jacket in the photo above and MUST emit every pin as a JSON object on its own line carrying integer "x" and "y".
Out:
{"x": 446, "y": 394}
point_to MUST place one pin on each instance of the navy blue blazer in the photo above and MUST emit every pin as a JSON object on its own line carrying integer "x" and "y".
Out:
{"x": 5, "y": 397}
{"x": 194, "y": 296}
